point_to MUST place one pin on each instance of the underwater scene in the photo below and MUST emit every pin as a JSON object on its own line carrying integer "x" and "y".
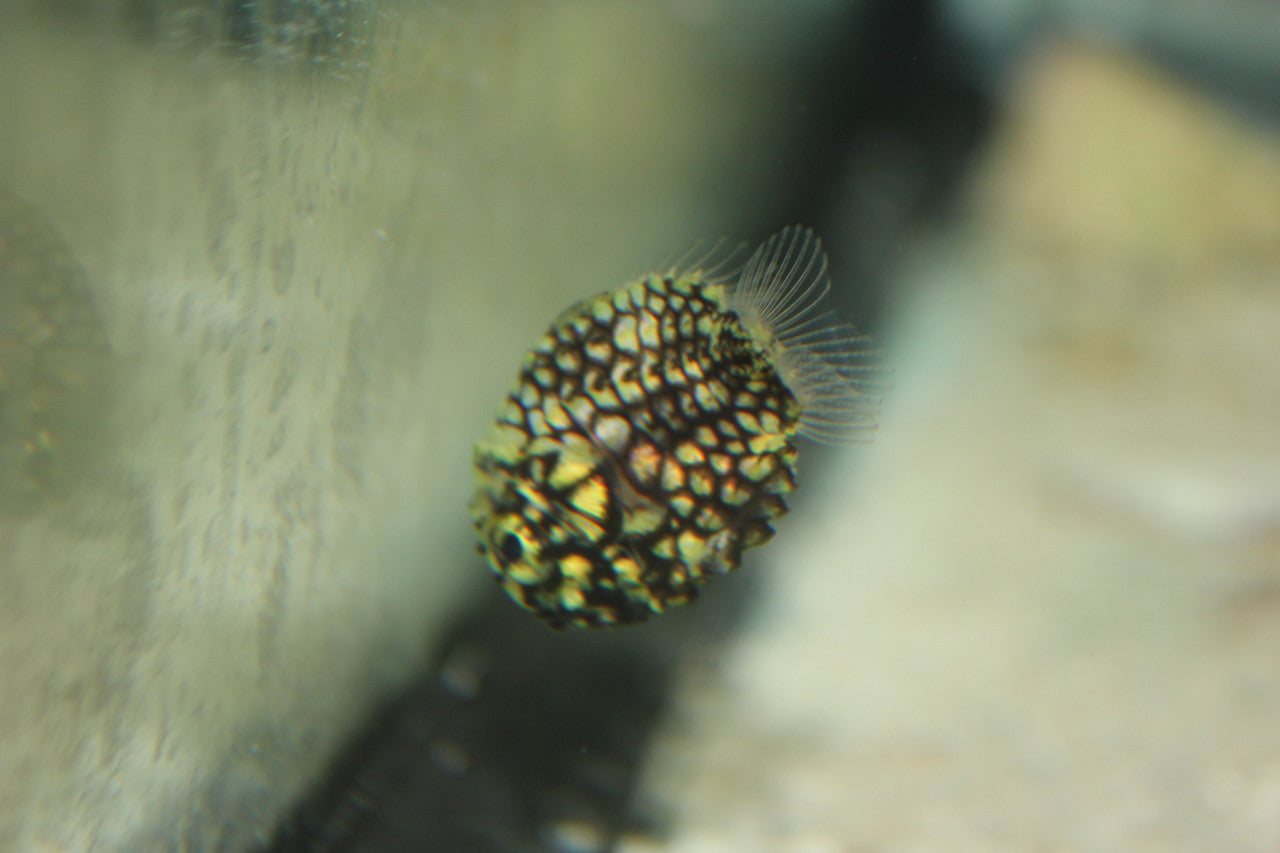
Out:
{"x": 681, "y": 426}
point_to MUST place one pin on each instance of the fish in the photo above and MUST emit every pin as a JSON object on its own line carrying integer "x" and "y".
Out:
{"x": 651, "y": 435}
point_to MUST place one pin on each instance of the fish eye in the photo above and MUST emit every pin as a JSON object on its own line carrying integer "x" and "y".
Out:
{"x": 511, "y": 547}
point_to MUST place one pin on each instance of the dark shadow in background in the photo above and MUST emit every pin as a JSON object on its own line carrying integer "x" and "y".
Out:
{"x": 518, "y": 739}
{"x": 887, "y": 122}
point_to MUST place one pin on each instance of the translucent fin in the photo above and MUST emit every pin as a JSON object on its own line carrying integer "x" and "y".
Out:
{"x": 835, "y": 373}
{"x": 710, "y": 261}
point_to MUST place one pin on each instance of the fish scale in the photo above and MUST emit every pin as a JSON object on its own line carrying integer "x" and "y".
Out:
{"x": 626, "y": 483}
{"x": 648, "y": 441}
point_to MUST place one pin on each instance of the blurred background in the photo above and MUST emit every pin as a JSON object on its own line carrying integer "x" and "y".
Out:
{"x": 268, "y": 266}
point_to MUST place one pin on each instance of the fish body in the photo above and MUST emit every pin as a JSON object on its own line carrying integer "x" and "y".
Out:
{"x": 651, "y": 436}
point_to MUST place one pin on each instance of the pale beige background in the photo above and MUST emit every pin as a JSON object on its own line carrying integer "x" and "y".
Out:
{"x": 1042, "y": 611}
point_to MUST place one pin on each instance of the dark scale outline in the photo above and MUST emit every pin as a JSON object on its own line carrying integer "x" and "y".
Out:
{"x": 668, "y": 413}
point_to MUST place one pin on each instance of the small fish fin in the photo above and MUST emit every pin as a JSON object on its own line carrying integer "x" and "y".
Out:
{"x": 835, "y": 373}
{"x": 713, "y": 261}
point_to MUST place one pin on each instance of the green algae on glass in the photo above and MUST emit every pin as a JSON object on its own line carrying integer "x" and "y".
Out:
{"x": 52, "y": 356}
{"x": 650, "y": 437}
{"x": 324, "y": 33}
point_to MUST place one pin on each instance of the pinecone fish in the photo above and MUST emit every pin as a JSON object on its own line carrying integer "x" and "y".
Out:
{"x": 650, "y": 437}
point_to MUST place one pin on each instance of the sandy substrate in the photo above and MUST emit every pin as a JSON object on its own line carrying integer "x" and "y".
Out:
{"x": 1042, "y": 611}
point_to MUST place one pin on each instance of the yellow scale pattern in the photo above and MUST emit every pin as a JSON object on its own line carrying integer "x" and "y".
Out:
{"x": 648, "y": 441}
